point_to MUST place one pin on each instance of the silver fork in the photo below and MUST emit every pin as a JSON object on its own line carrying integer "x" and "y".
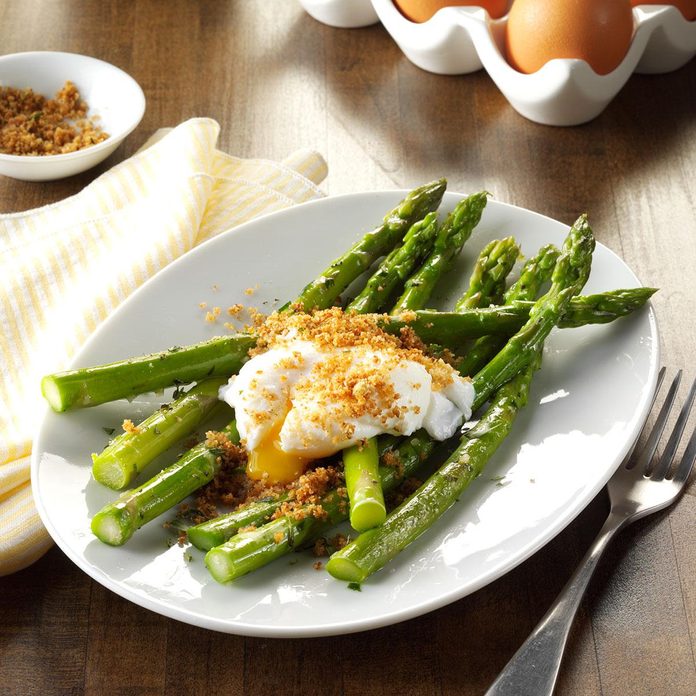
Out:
{"x": 637, "y": 489}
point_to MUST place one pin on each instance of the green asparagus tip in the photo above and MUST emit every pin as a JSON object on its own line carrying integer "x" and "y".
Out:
{"x": 367, "y": 514}
{"x": 345, "y": 569}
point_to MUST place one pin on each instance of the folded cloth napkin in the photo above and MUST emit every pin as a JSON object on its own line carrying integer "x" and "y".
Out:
{"x": 65, "y": 267}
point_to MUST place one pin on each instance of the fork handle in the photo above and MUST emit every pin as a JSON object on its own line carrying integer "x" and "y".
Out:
{"x": 533, "y": 669}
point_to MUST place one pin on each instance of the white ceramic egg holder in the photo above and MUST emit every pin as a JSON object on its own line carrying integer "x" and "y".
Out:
{"x": 564, "y": 92}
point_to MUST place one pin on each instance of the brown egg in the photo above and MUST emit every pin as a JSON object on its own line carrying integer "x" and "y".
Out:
{"x": 686, "y": 7}
{"x": 423, "y": 10}
{"x": 597, "y": 31}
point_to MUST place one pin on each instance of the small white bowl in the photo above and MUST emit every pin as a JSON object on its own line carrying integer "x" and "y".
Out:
{"x": 112, "y": 95}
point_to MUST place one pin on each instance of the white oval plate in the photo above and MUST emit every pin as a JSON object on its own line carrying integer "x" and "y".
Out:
{"x": 587, "y": 405}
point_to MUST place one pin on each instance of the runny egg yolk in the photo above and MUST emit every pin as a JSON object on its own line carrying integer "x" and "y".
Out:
{"x": 268, "y": 459}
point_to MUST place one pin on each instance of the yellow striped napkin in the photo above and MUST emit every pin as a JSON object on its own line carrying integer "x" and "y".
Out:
{"x": 65, "y": 267}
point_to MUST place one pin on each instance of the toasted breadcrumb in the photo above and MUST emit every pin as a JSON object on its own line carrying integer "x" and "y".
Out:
{"x": 325, "y": 547}
{"x": 345, "y": 388}
{"x": 31, "y": 124}
{"x": 405, "y": 490}
{"x": 129, "y": 427}
{"x": 305, "y": 494}
{"x": 391, "y": 459}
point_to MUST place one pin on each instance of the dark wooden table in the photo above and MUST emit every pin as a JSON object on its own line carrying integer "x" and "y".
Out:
{"x": 276, "y": 80}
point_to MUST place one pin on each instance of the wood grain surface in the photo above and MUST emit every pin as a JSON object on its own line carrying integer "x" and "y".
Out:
{"x": 276, "y": 80}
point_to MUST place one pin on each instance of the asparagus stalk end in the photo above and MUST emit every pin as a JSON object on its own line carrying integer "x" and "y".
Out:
{"x": 114, "y": 524}
{"x": 53, "y": 394}
{"x": 345, "y": 569}
{"x": 111, "y": 472}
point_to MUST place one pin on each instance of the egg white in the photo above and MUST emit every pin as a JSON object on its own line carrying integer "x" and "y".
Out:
{"x": 266, "y": 385}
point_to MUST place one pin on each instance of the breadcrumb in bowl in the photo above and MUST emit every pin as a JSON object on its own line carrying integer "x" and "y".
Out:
{"x": 112, "y": 95}
{"x": 36, "y": 126}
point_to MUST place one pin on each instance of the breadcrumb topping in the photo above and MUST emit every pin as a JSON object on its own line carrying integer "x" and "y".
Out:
{"x": 354, "y": 379}
{"x": 305, "y": 494}
{"x": 129, "y": 427}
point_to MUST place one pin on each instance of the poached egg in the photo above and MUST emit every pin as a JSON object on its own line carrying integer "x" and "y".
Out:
{"x": 296, "y": 402}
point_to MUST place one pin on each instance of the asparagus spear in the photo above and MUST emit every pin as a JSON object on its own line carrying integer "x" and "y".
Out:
{"x": 116, "y": 522}
{"x": 569, "y": 276}
{"x": 451, "y": 328}
{"x": 125, "y": 379}
{"x": 128, "y": 454}
{"x": 487, "y": 281}
{"x": 217, "y": 531}
{"x": 535, "y": 272}
{"x": 322, "y": 292}
{"x": 360, "y": 465}
{"x": 360, "y": 461}
{"x": 454, "y": 232}
{"x": 396, "y": 267}
{"x": 374, "y": 548}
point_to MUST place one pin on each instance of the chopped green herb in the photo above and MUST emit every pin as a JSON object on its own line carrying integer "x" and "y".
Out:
{"x": 355, "y": 586}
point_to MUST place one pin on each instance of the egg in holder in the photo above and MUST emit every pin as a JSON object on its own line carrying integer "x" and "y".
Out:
{"x": 564, "y": 92}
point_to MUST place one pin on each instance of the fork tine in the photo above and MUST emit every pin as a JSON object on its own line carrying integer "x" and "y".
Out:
{"x": 663, "y": 465}
{"x": 647, "y": 453}
{"x": 687, "y": 462}
{"x": 628, "y": 462}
